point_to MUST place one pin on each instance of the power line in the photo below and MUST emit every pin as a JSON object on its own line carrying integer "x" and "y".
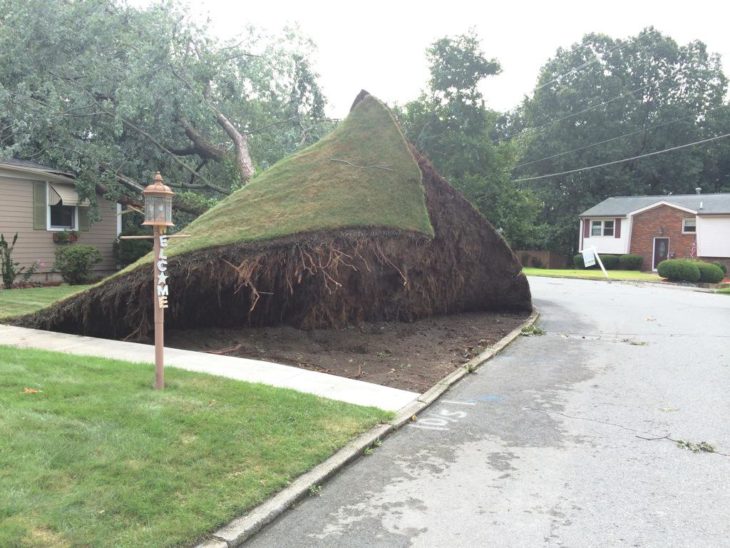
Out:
{"x": 580, "y": 67}
{"x": 585, "y": 147}
{"x": 590, "y": 108}
{"x": 716, "y": 138}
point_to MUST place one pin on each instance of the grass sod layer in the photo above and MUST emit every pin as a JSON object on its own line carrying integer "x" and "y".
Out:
{"x": 14, "y": 302}
{"x": 361, "y": 175}
{"x": 91, "y": 455}
{"x": 625, "y": 275}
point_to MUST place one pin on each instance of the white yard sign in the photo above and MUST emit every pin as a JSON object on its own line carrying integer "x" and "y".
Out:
{"x": 589, "y": 257}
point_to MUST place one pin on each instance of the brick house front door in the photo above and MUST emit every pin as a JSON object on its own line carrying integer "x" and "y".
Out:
{"x": 661, "y": 250}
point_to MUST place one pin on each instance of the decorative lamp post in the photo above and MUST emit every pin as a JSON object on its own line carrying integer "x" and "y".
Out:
{"x": 158, "y": 215}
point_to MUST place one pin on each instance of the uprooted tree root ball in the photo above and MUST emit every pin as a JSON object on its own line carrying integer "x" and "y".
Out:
{"x": 320, "y": 280}
{"x": 426, "y": 252}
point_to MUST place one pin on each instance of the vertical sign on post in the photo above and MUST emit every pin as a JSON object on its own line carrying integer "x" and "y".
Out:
{"x": 158, "y": 214}
{"x": 160, "y": 299}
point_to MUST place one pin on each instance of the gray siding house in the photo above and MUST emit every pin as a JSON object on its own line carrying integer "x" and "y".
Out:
{"x": 36, "y": 202}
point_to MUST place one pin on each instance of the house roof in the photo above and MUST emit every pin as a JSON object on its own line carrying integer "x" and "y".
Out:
{"x": 620, "y": 206}
{"x": 31, "y": 168}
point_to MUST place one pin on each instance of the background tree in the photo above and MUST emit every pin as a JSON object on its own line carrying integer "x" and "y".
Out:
{"x": 451, "y": 124}
{"x": 604, "y": 100}
{"x": 112, "y": 93}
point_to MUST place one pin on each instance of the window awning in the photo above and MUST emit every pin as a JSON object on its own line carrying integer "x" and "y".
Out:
{"x": 64, "y": 195}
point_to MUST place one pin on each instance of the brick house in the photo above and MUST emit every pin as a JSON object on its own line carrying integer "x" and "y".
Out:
{"x": 660, "y": 227}
{"x": 38, "y": 203}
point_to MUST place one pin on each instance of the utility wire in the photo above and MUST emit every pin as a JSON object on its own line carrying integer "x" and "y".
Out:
{"x": 583, "y": 65}
{"x": 590, "y": 108}
{"x": 585, "y": 147}
{"x": 656, "y": 153}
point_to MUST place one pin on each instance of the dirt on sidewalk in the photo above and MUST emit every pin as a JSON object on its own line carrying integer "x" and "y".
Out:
{"x": 411, "y": 356}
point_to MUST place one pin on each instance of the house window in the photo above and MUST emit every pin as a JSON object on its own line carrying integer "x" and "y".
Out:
{"x": 62, "y": 217}
{"x": 689, "y": 225}
{"x": 601, "y": 228}
{"x": 608, "y": 228}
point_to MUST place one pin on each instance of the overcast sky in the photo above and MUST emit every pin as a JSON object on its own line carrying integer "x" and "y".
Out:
{"x": 380, "y": 45}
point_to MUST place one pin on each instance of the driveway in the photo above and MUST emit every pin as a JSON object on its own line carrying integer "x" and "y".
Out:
{"x": 544, "y": 446}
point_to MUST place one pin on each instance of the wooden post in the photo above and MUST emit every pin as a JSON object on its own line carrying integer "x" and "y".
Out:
{"x": 159, "y": 315}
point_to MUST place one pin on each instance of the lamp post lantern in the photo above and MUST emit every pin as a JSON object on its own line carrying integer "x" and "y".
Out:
{"x": 158, "y": 215}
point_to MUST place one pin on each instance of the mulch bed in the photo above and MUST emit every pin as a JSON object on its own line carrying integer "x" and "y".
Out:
{"x": 411, "y": 356}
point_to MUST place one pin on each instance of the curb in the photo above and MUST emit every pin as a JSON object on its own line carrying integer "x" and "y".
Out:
{"x": 243, "y": 528}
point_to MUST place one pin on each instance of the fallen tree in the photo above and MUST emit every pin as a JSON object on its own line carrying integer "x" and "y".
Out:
{"x": 357, "y": 227}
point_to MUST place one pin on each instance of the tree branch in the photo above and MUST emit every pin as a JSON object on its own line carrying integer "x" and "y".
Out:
{"x": 243, "y": 156}
{"x": 177, "y": 160}
{"x": 201, "y": 146}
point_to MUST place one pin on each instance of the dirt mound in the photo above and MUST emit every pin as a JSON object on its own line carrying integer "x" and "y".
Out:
{"x": 318, "y": 278}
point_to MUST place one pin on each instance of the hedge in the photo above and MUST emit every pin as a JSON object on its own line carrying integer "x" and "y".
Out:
{"x": 710, "y": 273}
{"x": 679, "y": 270}
{"x": 610, "y": 262}
{"x": 630, "y": 262}
{"x": 722, "y": 267}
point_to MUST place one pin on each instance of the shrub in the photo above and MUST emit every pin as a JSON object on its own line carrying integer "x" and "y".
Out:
{"x": 75, "y": 261}
{"x": 722, "y": 267}
{"x": 536, "y": 262}
{"x": 128, "y": 251}
{"x": 630, "y": 262}
{"x": 710, "y": 273}
{"x": 8, "y": 267}
{"x": 679, "y": 270}
{"x": 610, "y": 262}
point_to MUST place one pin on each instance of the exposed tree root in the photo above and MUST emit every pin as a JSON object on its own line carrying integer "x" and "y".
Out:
{"x": 316, "y": 280}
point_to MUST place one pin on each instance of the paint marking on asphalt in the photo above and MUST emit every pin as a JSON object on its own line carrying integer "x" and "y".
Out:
{"x": 440, "y": 420}
{"x": 459, "y": 402}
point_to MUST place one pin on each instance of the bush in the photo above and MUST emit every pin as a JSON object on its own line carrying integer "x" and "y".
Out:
{"x": 578, "y": 261}
{"x": 128, "y": 251}
{"x": 679, "y": 270}
{"x": 722, "y": 267}
{"x": 610, "y": 262}
{"x": 710, "y": 273}
{"x": 75, "y": 261}
{"x": 630, "y": 262}
{"x": 8, "y": 267}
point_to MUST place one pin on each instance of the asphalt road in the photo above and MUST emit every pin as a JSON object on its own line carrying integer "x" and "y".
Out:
{"x": 544, "y": 445}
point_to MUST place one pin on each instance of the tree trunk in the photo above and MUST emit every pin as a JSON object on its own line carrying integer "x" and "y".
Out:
{"x": 240, "y": 141}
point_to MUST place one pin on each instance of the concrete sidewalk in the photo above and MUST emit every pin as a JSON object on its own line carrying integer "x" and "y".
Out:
{"x": 242, "y": 369}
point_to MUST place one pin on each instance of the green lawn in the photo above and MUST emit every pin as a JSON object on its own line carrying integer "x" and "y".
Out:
{"x": 592, "y": 274}
{"x": 14, "y": 302}
{"x": 724, "y": 291}
{"x": 90, "y": 455}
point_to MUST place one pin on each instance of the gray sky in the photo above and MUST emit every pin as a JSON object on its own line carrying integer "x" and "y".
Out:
{"x": 380, "y": 46}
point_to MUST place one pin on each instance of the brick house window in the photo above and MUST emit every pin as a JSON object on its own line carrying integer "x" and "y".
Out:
{"x": 689, "y": 225}
{"x": 602, "y": 228}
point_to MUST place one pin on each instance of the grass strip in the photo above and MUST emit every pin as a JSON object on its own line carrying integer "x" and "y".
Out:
{"x": 91, "y": 455}
{"x": 593, "y": 274}
{"x": 15, "y": 302}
